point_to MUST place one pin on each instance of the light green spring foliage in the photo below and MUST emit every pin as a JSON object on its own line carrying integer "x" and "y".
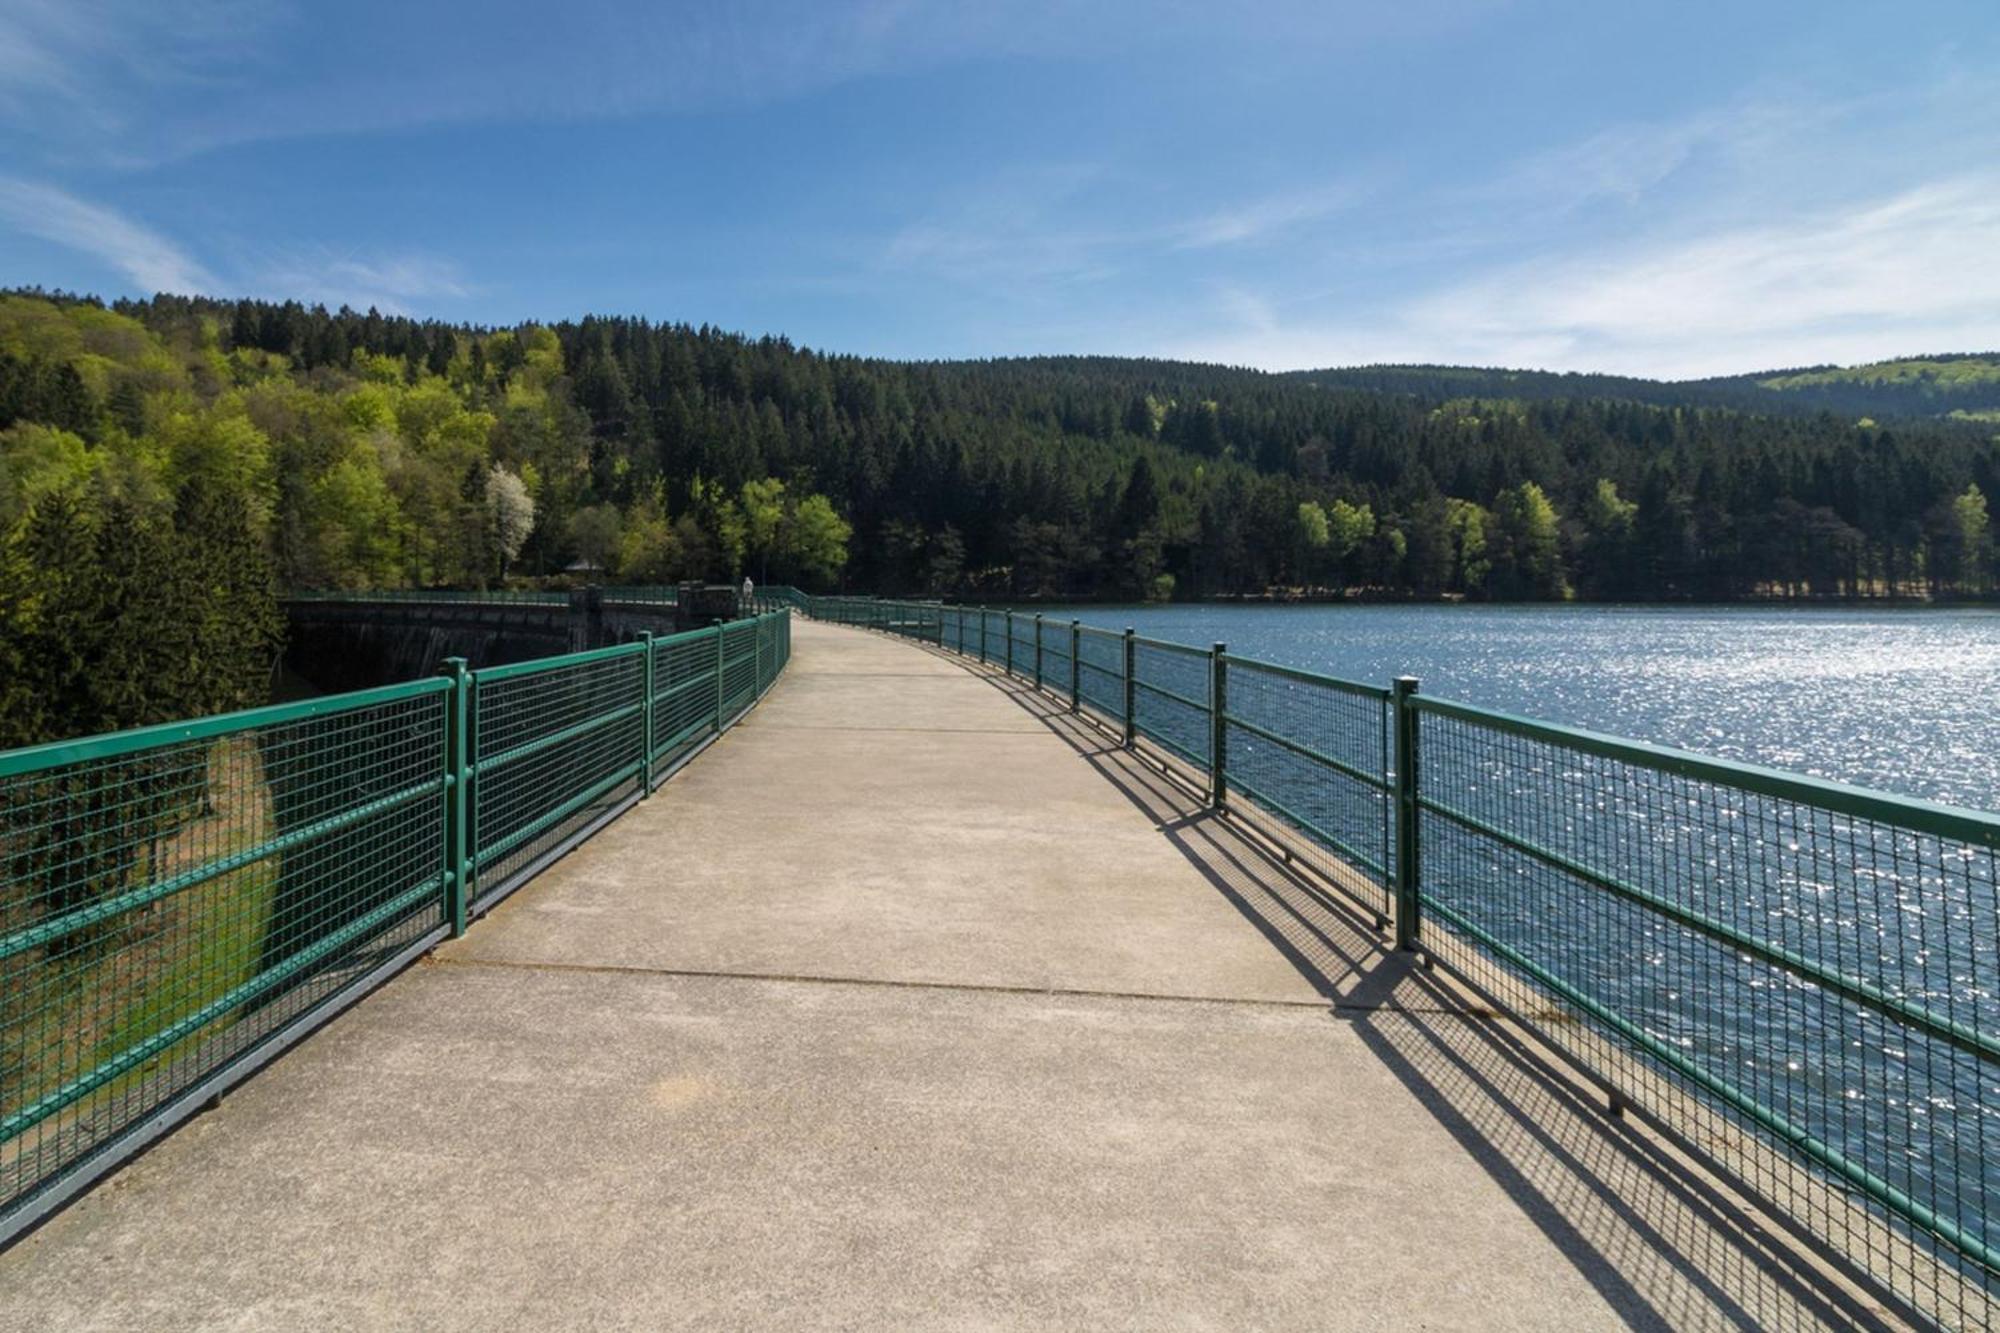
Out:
{"x": 1328, "y": 539}
{"x": 1314, "y": 532}
{"x": 1527, "y": 560}
{"x": 382, "y": 472}
{"x": 1465, "y": 526}
{"x": 1944, "y": 375}
{"x": 1608, "y": 513}
{"x": 1347, "y": 527}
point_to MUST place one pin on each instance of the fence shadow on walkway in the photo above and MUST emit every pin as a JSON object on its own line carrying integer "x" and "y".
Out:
{"x": 1665, "y": 1245}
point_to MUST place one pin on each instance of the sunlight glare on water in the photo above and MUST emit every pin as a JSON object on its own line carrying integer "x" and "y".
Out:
{"x": 1897, "y": 699}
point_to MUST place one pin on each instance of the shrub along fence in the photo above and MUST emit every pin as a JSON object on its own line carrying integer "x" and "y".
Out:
{"x": 1796, "y": 981}
{"x": 180, "y": 903}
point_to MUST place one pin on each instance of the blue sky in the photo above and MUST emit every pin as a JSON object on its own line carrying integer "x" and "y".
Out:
{"x": 1665, "y": 189}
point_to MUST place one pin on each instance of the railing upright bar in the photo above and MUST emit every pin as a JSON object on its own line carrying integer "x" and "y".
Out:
{"x": 1408, "y": 869}
{"x": 457, "y": 777}
{"x": 1131, "y": 686}
{"x": 1038, "y": 652}
{"x": 1075, "y": 664}
{"x": 720, "y": 674}
{"x": 646, "y": 723}
{"x": 1218, "y": 709}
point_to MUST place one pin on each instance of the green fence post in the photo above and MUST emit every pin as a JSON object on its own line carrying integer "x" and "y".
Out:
{"x": 1075, "y": 665}
{"x": 1009, "y": 630}
{"x": 646, "y": 735}
{"x": 1408, "y": 904}
{"x": 982, "y": 634}
{"x": 1131, "y": 693}
{"x": 1218, "y": 708}
{"x": 720, "y": 673}
{"x": 1038, "y": 651}
{"x": 458, "y": 773}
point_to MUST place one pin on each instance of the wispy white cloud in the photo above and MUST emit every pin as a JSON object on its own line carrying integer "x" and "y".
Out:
{"x": 151, "y": 261}
{"x": 1021, "y": 227}
{"x": 82, "y": 71}
{"x": 400, "y": 284}
{"x": 1011, "y": 228}
{"x": 1268, "y": 217}
{"x": 107, "y": 62}
{"x": 375, "y": 65}
{"x": 1629, "y": 162}
{"x": 1909, "y": 271}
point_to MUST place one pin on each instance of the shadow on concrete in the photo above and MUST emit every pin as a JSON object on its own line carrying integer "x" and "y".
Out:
{"x": 1662, "y": 1241}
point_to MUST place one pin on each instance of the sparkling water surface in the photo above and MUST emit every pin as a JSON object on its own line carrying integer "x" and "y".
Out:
{"x": 1902, "y": 700}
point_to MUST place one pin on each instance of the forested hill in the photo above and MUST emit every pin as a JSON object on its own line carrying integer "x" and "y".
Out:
{"x": 367, "y": 450}
{"x": 1928, "y": 386}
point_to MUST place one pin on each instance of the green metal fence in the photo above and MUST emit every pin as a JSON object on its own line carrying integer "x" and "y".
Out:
{"x": 514, "y": 596}
{"x": 647, "y": 594}
{"x": 1795, "y": 981}
{"x": 179, "y": 903}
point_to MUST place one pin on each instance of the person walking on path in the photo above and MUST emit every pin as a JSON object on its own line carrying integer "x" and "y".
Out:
{"x": 749, "y": 593}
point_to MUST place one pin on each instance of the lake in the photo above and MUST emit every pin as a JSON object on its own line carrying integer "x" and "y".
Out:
{"x": 1902, "y": 700}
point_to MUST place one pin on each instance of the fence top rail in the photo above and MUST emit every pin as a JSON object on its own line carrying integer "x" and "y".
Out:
{"x": 539, "y": 664}
{"x": 84, "y": 749}
{"x": 1954, "y": 823}
{"x": 1355, "y": 687}
{"x": 1170, "y": 646}
{"x": 535, "y": 665}
{"x": 454, "y": 595}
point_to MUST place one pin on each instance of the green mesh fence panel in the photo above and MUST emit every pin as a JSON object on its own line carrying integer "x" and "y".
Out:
{"x": 171, "y": 898}
{"x": 556, "y": 746}
{"x": 1101, "y": 673}
{"x": 512, "y": 597}
{"x": 685, "y": 699}
{"x": 1171, "y": 698}
{"x": 1313, "y": 752}
{"x": 178, "y": 903}
{"x": 1055, "y": 656}
{"x": 1800, "y": 978}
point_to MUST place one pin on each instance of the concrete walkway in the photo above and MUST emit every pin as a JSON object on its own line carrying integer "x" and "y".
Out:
{"x": 911, "y": 1003}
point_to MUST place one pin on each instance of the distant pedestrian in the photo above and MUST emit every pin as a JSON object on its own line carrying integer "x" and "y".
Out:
{"x": 749, "y": 593}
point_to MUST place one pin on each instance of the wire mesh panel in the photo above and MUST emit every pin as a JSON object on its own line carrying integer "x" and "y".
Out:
{"x": 556, "y": 745}
{"x": 1101, "y": 673}
{"x": 1055, "y": 656}
{"x": 1313, "y": 752}
{"x": 1801, "y": 978}
{"x": 1017, "y": 653}
{"x": 739, "y": 667}
{"x": 517, "y": 597}
{"x": 171, "y": 899}
{"x": 176, "y": 903}
{"x": 1170, "y": 698}
{"x": 686, "y": 705}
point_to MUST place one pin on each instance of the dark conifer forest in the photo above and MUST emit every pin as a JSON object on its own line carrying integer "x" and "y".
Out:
{"x": 238, "y": 449}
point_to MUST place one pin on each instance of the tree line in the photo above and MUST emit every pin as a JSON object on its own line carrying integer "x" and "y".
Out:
{"x": 364, "y": 449}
